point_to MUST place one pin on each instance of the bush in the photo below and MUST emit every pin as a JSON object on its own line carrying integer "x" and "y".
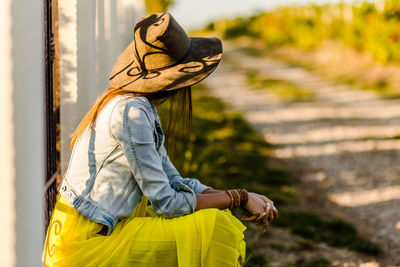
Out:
{"x": 367, "y": 27}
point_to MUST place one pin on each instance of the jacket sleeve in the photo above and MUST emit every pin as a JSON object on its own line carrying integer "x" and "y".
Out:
{"x": 175, "y": 178}
{"x": 132, "y": 129}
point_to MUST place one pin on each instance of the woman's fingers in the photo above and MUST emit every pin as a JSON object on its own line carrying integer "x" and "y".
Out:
{"x": 265, "y": 227}
{"x": 260, "y": 211}
{"x": 276, "y": 213}
{"x": 261, "y": 217}
{"x": 271, "y": 216}
{"x": 273, "y": 211}
{"x": 264, "y": 199}
{"x": 258, "y": 218}
{"x": 249, "y": 218}
{"x": 269, "y": 211}
{"x": 266, "y": 223}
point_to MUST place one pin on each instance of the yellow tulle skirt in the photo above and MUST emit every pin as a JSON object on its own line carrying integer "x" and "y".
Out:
{"x": 208, "y": 237}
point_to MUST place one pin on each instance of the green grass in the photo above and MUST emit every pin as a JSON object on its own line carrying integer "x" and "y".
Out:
{"x": 336, "y": 232}
{"x": 223, "y": 151}
{"x": 282, "y": 89}
{"x": 254, "y": 259}
{"x": 319, "y": 262}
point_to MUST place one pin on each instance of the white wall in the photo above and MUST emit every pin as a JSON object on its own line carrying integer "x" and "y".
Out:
{"x": 92, "y": 34}
{"x": 7, "y": 191}
{"x": 22, "y": 160}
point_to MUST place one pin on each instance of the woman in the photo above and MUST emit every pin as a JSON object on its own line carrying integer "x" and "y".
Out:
{"x": 119, "y": 162}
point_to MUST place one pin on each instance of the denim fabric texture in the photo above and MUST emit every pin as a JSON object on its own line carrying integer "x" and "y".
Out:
{"x": 120, "y": 159}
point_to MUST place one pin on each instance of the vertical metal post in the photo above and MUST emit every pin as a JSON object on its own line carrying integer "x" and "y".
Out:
{"x": 51, "y": 108}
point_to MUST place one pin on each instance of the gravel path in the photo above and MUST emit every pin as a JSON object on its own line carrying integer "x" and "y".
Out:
{"x": 345, "y": 142}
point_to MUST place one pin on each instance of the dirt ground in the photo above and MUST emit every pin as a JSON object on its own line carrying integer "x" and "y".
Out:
{"x": 343, "y": 144}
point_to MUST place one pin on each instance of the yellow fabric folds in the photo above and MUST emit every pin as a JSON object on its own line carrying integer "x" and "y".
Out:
{"x": 209, "y": 237}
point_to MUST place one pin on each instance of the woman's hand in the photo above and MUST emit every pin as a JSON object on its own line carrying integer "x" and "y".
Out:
{"x": 260, "y": 210}
{"x": 272, "y": 212}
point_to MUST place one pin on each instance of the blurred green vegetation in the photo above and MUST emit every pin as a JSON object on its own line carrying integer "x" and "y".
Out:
{"x": 223, "y": 151}
{"x": 254, "y": 258}
{"x": 319, "y": 262}
{"x": 282, "y": 89}
{"x": 367, "y": 27}
{"x": 157, "y": 6}
{"x": 335, "y": 232}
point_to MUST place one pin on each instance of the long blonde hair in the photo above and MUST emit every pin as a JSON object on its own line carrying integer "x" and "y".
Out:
{"x": 180, "y": 110}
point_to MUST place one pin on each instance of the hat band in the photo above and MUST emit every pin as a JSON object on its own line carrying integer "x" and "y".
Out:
{"x": 173, "y": 64}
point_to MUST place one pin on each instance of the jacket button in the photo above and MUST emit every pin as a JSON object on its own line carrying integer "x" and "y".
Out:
{"x": 63, "y": 188}
{"x": 69, "y": 194}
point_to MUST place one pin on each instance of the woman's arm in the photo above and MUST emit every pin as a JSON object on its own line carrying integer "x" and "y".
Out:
{"x": 132, "y": 128}
{"x": 218, "y": 200}
{"x": 259, "y": 209}
{"x": 212, "y": 191}
{"x": 175, "y": 178}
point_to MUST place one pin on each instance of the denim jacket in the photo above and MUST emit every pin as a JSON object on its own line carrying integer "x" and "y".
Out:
{"x": 121, "y": 158}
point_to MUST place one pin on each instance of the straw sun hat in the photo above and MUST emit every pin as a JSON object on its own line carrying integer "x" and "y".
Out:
{"x": 162, "y": 57}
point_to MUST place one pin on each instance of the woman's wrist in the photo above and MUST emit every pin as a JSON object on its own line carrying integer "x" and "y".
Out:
{"x": 238, "y": 198}
{"x": 235, "y": 198}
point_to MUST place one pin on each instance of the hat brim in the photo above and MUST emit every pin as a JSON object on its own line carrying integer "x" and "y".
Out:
{"x": 201, "y": 61}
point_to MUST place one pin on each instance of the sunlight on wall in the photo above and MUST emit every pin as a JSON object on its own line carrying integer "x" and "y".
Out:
{"x": 68, "y": 50}
{"x": 92, "y": 35}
